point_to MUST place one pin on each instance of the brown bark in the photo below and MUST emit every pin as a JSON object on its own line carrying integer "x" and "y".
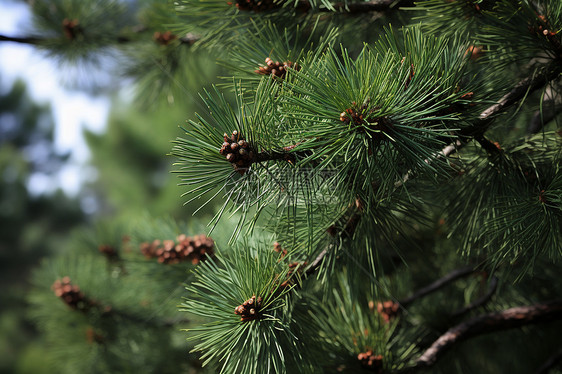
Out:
{"x": 487, "y": 323}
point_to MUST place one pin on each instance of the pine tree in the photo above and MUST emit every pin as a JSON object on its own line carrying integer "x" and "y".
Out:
{"x": 386, "y": 181}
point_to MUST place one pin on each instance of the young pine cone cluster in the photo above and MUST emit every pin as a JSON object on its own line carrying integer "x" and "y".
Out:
{"x": 351, "y": 115}
{"x": 370, "y": 361}
{"x": 277, "y": 69}
{"x": 250, "y": 309}
{"x": 542, "y": 27}
{"x": 184, "y": 248}
{"x": 238, "y": 152}
{"x": 388, "y": 310}
{"x": 164, "y": 38}
{"x": 277, "y": 248}
{"x": 108, "y": 251}
{"x": 71, "y": 28}
{"x": 71, "y": 294}
{"x": 362, "y": 119}
{"x": 253, "y": 5}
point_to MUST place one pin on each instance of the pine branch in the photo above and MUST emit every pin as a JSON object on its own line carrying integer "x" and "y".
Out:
{"x": 483, "y": 324}
{"x": 445, "y": 152}
{"x": 188, "y": 39}
{"x": 350, "y": 8}
{"x": 486, "y": 144}
{"x": 438, "y": 284}
{"x": 370, "y": 6}
{"x": 481, "y": 301}
{"x": 315, "y": 265}
{"x": 22, "y": 40}
{"x": 517, "y": 93}
{"x": 351, "y": 221}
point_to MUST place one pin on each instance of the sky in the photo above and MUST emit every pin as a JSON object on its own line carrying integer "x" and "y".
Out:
{"x": 73, "y": 111}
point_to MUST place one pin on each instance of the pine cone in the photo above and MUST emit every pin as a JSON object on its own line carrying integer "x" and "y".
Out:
{"x": 475, "y": 52}
{"x": 388, "y": 310}
{"x": 164, "y": 38}
{"x": 238, "y": 152}
{"x": 277, "y": 248}
{"x": 184, "y": 248}
{"x": 364, "y": 120}
{"x": 250, "y": 309}
{"x": 71, "y": 294}
{"x": 277, "y": 69}
{"x": 149, "y": 249}
{"x": 255, "y": 6}
{"x": 71, "y": 28}
{"x": 370, "y": 361}
{"x": 108, "y": 251}
{"x": 194, "y": 248}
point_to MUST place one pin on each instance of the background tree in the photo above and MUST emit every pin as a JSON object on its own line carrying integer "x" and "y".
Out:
{"x": 390, "y": 200}
{"x": 33, "y": 224}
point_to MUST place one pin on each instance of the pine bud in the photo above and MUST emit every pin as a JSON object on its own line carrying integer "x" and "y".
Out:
{"x": 238, "y": 152}
{"x": 249, "y": 310}
{"x": 371, "y": 361}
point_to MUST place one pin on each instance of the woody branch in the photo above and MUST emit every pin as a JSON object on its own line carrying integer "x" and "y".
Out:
{"x": 487, "y": 323}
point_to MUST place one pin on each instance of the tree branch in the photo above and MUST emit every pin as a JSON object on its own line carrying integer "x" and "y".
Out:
{"x": 518, "y": 92}
{"x": 438, "y": 284}
{"x": 317, "y": 262}
{"x": 188, "y": 39}
{"x": 370, "y": 6}
{"x": 22, "y": 40}
{"x": 486, "y": 144}
{"x": 507, "y": 319}
{"x": 480, "y": 301}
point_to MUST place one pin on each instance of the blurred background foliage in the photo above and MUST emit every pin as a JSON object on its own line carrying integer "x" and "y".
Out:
{"x": 132, "y": 180}
{"x": 32, "y": 225}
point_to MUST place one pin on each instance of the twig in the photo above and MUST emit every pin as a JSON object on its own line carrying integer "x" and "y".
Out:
{"x": 480, "y": 301}
{"x": 357, "y": 7}
{"x": 22, "y": 40}
{"x": 507, "y": 319}
{"x": 521, "y": 89}
{"x": 550, "y": 362}
{"x": 317, "y": 262}
{"x": 351, "y": 222}
{"x": 487, "y": 145}
{"x": 188, "y": 39}
{"x": 370, "y": 6}
{"x": 445, "y": 152}
{"x": 438, "y": 284}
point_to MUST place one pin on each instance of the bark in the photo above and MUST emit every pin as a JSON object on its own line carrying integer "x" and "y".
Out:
{"x": 487, "y": 323}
